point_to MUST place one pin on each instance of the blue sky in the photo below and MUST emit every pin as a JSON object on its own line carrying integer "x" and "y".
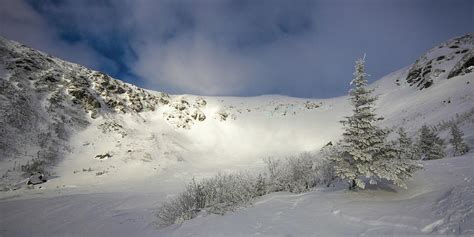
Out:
{"x": 243, "y": 48}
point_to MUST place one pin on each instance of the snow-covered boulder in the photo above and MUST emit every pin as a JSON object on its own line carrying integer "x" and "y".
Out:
{"x": 37, "y": 178}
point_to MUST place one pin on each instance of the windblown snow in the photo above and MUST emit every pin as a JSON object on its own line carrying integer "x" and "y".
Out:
{"x": 116, "y": 152}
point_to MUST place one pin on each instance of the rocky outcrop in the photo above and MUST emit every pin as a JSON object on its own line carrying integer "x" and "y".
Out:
{"x": 122, "y": 97}
{"x": 43, "y": 100}
{"x": 464, "y": 66}
{"x": 450, "y": 59}
{"x": 94, "y": 91}
{"x": 183, "y": 114}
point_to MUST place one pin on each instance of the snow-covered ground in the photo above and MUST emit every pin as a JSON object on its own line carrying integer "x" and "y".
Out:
{"x": 439, "y": 200}
{"x": 119, "y": 168}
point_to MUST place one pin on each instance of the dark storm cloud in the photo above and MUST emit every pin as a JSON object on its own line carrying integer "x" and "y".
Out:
{"x": 299, "y": 48}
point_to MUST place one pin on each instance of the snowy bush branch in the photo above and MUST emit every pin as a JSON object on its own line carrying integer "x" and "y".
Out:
{"x": 227, "y": 192}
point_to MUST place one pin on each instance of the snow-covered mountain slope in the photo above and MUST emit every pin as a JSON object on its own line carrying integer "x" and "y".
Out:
{"x": 448, "y": 60}
{"x": 44, "y": 101}
{"x": 102, "y": 139}
{"x": 69, "y": 118}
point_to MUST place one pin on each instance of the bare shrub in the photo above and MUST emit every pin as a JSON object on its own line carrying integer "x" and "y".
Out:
{"x": 298, "y": 173}
{"x": 227, "y": 192}
{"x": 183, "y": 207}
{"x": 219, "y": 194}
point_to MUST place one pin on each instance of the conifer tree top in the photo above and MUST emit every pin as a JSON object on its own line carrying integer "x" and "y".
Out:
{"x": 359, "y": 73}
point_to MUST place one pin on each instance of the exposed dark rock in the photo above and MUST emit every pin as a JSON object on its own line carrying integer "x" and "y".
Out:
{"x": 120, "y": 90}
{"x": 198, "y": 115}
{"x": 311, "y": 105}
{"x": 328, "y": 144}
{"x": 103, "y": 156}
{"x": 462, "y": 67}
{"x": 80, "y": 81}
{"x": 51, "y": 78}
{"x": 424, "y": 73}
{"x": 413, "y": 75}
{"x": 428, "y": 83}
{"x": 200, "y": 102}
{"x": 86, "y": 99}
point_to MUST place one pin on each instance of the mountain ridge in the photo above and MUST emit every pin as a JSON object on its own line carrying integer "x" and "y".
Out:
{"x": 49, "y": 102}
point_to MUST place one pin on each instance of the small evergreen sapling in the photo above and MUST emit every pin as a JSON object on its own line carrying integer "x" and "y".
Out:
{"x": 260, "y": 186}
{"x": 430, "y": 145}
{"x": 459, "y": 147}
{"x": 406, "y": 148}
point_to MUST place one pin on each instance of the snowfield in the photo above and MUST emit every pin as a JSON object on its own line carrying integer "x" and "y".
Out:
{"x": 439, "y": 200}
{"x": 126, "y": 152}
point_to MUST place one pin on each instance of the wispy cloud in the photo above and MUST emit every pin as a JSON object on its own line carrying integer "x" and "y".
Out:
{"x": 299, "y": 48}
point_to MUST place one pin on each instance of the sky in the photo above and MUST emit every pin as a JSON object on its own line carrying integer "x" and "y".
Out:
{"x": 237, "y": 47}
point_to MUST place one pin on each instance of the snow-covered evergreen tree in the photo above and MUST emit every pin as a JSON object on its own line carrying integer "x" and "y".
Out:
{"x": 459, "y": 147}
{"x": 430, "y": 145}
{"x": 365, "y": 153}
{"x": 406, "y": 148}
{"x": 425, "y": 141}
{"x": 260, "y": 186}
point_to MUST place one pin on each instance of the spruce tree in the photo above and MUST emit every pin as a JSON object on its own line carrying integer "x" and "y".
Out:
{"x": 364, "y": 151}
{"x": 459, "y": 147}
{"x": 425, "y": 141}
{"x": 406, "y": 148}
{"x": 430, "y": 145}
{"x": 260, "y": 186}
